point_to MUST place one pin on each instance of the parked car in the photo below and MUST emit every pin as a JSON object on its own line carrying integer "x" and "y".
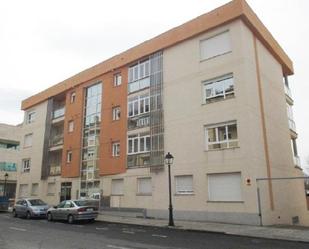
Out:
{"x": 73, "y": 210}
{"x": 30, "y": 208}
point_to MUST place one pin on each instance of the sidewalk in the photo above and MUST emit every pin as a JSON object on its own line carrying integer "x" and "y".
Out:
{"x": 281, "y": 233}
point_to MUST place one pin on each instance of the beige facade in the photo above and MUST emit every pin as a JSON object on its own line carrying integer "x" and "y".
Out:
{"x": 224, "y": 113}
{"x": 9, "y": 157}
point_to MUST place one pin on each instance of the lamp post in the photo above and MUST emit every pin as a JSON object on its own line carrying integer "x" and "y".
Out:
{"x": 5, "y": 180}
{"x": 169, "y": 161}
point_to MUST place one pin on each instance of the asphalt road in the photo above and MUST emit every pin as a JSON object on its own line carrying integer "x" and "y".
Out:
{"x": 18, "y": 233}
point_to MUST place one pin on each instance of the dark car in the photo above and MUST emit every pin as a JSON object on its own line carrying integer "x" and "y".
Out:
{"x": 74, "y": 210}
{"x": 30, "y": 208}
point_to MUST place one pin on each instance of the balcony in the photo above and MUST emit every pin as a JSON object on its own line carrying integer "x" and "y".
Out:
{"x": 58, "y": 114}
{"x": 288, "y": 94}
{"x": 138, "y": 85}
{"x": 296, "y": 161}
{"x": 138, "y": 122}
{"x": 292, "y": 125}
{"x": 139, "y": 160}
{"x": 56, "y": 142}
{"x": 55, "y": 169}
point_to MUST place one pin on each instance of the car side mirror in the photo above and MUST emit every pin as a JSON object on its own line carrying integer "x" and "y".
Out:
{"x": 25, "y": 204}
{"x": 55, "y": 207}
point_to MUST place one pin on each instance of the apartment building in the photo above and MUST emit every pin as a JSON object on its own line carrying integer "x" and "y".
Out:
{"x": 9, "y": 158}
{"x": 214, "y": 92}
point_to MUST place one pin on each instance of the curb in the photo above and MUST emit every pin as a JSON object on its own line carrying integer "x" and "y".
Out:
{"x": 208, "y": 231}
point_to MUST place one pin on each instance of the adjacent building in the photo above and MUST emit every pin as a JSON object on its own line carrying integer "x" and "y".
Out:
{"x": 9, "y": 158}
{"x": 214, "y": 92}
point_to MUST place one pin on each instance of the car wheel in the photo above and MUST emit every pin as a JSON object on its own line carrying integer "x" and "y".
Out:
{"x": 70, "y": 219}
{"x": 91, "y": 220}
{"x": 28, "y": 215}
{"x": 14, "y": 213}
{"x": 49, "y": 217}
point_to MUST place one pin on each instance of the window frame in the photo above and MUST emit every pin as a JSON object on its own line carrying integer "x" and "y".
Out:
{"x": 26, "y": 165}
{"x": 143, "y": 104}
{"x": 116, "y": 112}
{"x": 122, "y": 187}
{"x": 116, "y": 149}
{"x": 215, "y": 81}
{"x": 138, "y": 192}
{"x": 71, "y": 126}
{"x": 117, "y": 79}
{"x": 212, "y": 37}
{"x": 29, "y": 135}
{"x": 69, "y": 156}
{"x": 30, "y": 114}
{"x": 186, "y": 192}
{"x": 139, "y": 137}
{"x": 72, "y": 97}
{"x": 227, "y": 140}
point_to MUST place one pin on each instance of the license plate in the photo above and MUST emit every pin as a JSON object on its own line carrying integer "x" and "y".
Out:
{"x": 89, "y": 209}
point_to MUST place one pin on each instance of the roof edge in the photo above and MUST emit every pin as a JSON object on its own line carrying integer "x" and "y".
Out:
{"x": 215, "y": 18}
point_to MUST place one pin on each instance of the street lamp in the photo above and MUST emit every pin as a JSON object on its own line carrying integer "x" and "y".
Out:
{"x": 169, "y": 161}
{"x": 5, "y": 179}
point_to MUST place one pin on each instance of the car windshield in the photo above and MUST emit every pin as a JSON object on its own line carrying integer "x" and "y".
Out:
{"x": 37, "y": 202}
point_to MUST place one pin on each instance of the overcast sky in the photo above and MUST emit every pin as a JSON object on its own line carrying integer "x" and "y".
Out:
{"x": 45, "y": 42}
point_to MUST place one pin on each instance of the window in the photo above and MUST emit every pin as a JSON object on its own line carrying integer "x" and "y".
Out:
{"x": 224, "y": 187}
{"x": 51, "y": 188}
{"x": 117, "y": 79}
{"x": 144, "y": 186}
{"x": 69, "y": 156}
{"x": 116, "y": 113}
{"x": 138, "y": 143}
{"x": 117, "y": 187}
{"x": 184, "y": 184}
{"x": 138, "y": 105}
{"x": 35, "y": 189}
{"x": 72, "y": 97}
{"x": 25, "y": 165}
{"x": 216, "y": 45}
{"x": 71, "y": 126}
{"x": 116, "y": 149}
{"x": 221, "y": 136}
{"x": 139, "y": 76}
{"x": 30, "y": 117}
{"x": 28, "y": 140}
{"x": 23, "y": 190}
{"x": 218, "y": 89}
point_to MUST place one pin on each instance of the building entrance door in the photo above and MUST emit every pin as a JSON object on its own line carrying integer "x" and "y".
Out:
{"x": 66, "y": 188}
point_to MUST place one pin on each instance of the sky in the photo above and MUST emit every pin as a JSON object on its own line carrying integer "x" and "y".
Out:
{"x": 45, "y": 42}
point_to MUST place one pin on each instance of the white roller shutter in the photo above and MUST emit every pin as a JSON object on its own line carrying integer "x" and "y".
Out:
{"x": 224, "y": 187}
{"x": 144, "y": 185}
{"x": 117, "y": 187}
{"x": 216, "y": 45}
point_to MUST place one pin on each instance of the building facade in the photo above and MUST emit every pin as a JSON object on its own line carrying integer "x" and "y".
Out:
{"x": 213, "y": 91}
{"x": 9, "y": 158}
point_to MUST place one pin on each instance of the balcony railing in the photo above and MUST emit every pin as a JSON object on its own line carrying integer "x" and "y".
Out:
{"x": 55, "y": 170}
{"x": 139, "y": 84}
{"x": 138, "y": 122}
{"x": 56, "y": 140}
{"x": 58, "y": 112}
{"x": 287, "y": 91}
{"x": 138, "y": 160}
{"x": 297, "y": 161}
{"x": 292, "y": 125}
